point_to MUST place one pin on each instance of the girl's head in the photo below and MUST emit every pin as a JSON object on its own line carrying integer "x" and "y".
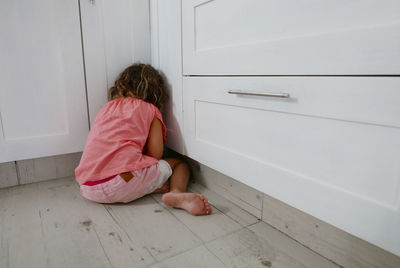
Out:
{"x": 140, "y": 81}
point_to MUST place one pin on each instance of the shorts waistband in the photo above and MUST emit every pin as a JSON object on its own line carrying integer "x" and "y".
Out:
{"x": 92, "y": 183}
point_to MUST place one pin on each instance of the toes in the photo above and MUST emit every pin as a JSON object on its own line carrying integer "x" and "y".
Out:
{"x": 207, "y": 206}
{"x": 208, "y": 209}
{"x": 203, "y": 199}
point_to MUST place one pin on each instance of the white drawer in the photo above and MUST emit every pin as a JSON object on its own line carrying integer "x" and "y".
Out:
{"x": 332, "y": 149}
{"x": 291, "y": 37}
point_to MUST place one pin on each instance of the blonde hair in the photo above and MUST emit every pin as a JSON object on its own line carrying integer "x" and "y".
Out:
{"x": 140, "y": 81}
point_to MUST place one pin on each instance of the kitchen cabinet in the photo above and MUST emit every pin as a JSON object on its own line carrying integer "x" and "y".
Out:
{"x": 166, "y": 51}
{"x": 115, "y": 34}
{"x": 286, "y": 37}
{"x": 297, "y": 99}
{"x": 42, "y": 95}
{"x": 58, "y": 59}
{"x": 331, "y": 148}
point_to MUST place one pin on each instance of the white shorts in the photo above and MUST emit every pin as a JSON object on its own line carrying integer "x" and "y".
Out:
{"x": 144, "y": 181}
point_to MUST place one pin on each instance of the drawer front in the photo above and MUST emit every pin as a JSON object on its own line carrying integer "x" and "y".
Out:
{"x": 287, "y": 37}
{"x": 332, "y": 149}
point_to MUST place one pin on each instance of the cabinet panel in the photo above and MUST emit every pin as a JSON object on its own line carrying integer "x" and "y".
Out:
{"x": 258, "y": 37}
{"x": 332, "y": 149}
{"x": 167, "y": 57}
{"x": 42, "y": 98}
{"x": 115, "y": 35}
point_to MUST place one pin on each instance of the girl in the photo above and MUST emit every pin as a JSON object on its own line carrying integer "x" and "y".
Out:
{"x": 122, "y": 161}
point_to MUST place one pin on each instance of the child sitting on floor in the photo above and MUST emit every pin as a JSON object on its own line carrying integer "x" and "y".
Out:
{"x": 122, "y": 161}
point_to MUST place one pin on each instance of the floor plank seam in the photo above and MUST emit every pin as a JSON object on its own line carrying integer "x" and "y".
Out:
{"x": 235, "y": 196}
{"x": 170, "y": 212}
{"x": 209, "y": 250}
{"x": 259, "y": 220}
{"x": 277, "y": 249}
{"x": 307, "y": 247}
{"x": 176, "y": 254}
{"x": 43, "y": 238}
{"x": 242, "y": 225}
{"x": 202, "y": 241}
{"x": 105, "y": 253}
{"x": 262, "y": 208}
{"x": 6, "y": 252}
{"x": 190, "y": 230}
{"x": 251, "y": 224}
{"x": 108, "y": 209}
{"x": 4, "y": 240}
{"x": 17, "y": 172}
{"x": 230, "y": 201}
{"x": 225, "y": 235}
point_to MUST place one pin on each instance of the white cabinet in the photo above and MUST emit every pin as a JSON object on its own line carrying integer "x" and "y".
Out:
{"x": 332, "y": 149}
{"x": 42, "y": 95}
{"x": 166, "y": 56}
{"x": 291, "y": 37}
{"x": 57, "y": 61}
{"x": 115, "y": 34}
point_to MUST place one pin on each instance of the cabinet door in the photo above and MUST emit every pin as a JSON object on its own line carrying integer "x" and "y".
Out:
{"x": 291, "y": 37}
{"x": 166, "y": 41}
{"x": 332, "y": 149}
{"x": 115, "y": 35}
{"x": 43, "y": 107}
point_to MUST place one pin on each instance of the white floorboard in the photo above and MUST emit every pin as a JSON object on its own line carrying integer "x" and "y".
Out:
{"x": 206, "y": 227}
{"x": 48, "y": 224}
{"x": 199, "y": 257}
{"x": 154, "y": 227}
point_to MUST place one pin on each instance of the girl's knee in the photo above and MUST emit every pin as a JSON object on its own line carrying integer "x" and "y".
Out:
{"x": 183, "y": 164}
{"x": 174, "y": 162}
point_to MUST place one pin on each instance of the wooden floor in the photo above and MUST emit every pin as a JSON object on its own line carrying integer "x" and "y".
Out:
{"x": 48, "y": 224}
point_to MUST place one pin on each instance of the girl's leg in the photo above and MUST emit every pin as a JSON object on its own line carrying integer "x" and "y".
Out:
{"x": 163, "y": 189}
{"x": 180, "y": 175}
{"x": 195, "y": 204}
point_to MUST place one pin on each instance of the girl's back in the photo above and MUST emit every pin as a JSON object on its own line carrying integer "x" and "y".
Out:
{"x": 117, "y": 138}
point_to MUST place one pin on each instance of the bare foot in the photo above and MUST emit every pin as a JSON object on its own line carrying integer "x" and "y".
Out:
{"x": 195, "y": 204}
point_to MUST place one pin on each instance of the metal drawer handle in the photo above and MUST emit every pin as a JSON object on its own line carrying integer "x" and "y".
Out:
{"x": 264, "y": 94}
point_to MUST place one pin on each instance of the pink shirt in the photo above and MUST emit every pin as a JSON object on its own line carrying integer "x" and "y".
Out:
{"x": 116, "y": 140}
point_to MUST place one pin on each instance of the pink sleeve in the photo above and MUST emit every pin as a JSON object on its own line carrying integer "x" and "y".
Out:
{"x": 157, "y": 114}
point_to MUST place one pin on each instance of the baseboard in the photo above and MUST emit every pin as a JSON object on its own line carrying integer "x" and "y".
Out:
{"x": 38, "y": 169}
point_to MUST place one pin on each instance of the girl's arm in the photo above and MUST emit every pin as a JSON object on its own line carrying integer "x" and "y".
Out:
{"x": 155, "y": 145}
